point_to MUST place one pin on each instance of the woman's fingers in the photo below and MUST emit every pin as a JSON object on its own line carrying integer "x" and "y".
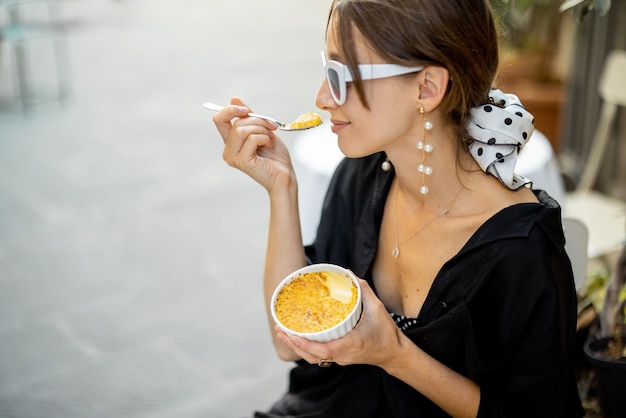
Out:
{"x": 243, "y": 136}
{"x": 223, "y": 119}
{"x": 246, "y": 157}
{"x": 236, "y": 115}
{"x": 310, "y": 351}
{"x": 244, "y": 142}
{"x": 373, "y": 340}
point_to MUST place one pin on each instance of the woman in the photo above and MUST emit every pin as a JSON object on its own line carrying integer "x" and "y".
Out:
{"x": 469, "y": 303}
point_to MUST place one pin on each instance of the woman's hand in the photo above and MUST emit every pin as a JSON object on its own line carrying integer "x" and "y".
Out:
{"x": 375, "y": 340}
{"x": 251, "y": 145}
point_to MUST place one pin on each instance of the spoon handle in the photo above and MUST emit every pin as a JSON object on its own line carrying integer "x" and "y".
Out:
{"x": 298, "y": 125}
{"x": 213, "y": 106}
{"x": 217, "y": 108}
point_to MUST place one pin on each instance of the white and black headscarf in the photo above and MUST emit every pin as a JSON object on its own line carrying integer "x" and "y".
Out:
{"x": 500, "y": 130}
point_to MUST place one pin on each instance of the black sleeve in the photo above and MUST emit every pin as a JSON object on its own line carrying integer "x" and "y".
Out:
{"x": 524, "y": 323}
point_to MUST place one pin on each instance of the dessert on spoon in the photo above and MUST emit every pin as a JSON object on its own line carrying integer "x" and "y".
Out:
{"x": 304, "y": 121}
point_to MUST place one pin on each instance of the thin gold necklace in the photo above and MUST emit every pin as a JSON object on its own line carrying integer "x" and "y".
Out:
{"x": 395, "y": 253}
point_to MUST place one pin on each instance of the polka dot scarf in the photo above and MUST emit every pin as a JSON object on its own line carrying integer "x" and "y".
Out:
{"x": 500, "y": 129}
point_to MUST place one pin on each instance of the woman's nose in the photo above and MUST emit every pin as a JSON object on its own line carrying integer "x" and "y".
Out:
{"x": 324, "y": 99}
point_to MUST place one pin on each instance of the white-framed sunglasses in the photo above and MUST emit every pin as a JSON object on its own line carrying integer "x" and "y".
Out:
{"x": 338, "y": 74}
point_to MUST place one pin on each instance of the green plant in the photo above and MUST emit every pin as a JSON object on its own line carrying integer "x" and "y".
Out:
{"x": 613, "y": 315}
{"x": 531, "y": 28}
{"x": 617, "y": 348}
{"x": 528, "y": 24}
{"x": 535, "y": 26}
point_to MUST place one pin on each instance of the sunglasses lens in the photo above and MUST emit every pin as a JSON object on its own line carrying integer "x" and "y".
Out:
{"x": 333, "y": 81}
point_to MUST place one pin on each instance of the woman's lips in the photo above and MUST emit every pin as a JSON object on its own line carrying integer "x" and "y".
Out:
{"x": 337, "y": 125}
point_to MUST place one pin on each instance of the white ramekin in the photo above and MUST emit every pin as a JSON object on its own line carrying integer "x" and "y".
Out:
{"x": 337, "y": 331}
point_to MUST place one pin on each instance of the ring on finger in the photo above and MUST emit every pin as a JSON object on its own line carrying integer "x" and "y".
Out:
{"x": 325, "y": 362}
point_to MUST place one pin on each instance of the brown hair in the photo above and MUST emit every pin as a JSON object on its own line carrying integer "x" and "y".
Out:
{"x": 459, "y": 35}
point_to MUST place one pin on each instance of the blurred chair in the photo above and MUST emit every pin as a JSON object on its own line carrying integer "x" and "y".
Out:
{"x": 604, "y": 216}
{"x": 32, "y": 30}
{"x": 576, "y": 246}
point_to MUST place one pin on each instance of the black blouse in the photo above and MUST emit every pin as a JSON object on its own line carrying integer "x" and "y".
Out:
{"x": 502, "y": 311}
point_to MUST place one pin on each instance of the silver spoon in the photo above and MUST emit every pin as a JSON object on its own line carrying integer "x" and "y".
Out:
{"x": 305, "y": 121}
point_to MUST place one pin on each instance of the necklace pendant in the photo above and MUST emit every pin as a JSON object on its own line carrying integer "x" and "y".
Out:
{"x": 395, "y": 252}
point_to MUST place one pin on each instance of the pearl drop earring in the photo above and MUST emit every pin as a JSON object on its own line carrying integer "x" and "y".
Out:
{"x": 425, "y": 147}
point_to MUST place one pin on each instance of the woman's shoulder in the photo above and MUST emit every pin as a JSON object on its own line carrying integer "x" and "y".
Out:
{"x": 493, "y": 199}
{"x": 500, "y": 196}
{"x": 520, "y": 213}
{"x": 486, "y": 198}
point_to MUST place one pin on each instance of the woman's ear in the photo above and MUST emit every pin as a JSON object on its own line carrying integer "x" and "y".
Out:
{"x": 433, "y": 87}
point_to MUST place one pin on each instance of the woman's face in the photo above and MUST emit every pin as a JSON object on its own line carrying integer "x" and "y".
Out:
{"x": 392, "y": 118}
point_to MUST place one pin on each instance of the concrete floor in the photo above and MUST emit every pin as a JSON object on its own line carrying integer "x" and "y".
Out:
{"x": 130, "y": 253}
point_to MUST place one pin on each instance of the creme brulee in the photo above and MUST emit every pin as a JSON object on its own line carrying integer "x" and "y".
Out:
{"x": 305, "y": 304}
{"x": 306, "y": 121}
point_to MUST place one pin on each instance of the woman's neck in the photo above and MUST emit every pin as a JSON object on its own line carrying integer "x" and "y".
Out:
{"x": 450, "y": 172}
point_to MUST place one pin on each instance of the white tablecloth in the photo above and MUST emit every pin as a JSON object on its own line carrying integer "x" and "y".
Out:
{"x": 316, "y": 155}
